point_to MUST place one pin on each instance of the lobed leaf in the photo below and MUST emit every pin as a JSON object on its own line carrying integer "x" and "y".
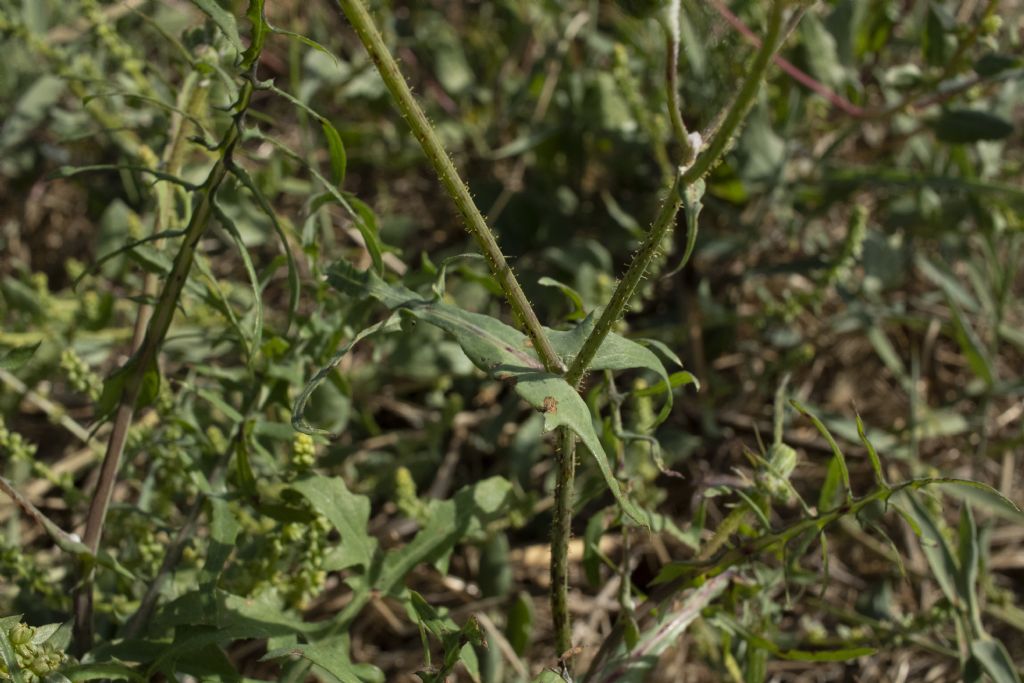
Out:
{"x": 330, "y": 661}
{"x": 348, "y": 512}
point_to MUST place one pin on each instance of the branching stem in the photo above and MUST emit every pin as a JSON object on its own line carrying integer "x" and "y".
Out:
{"x": 694, "y": 166}
{"x": 666, "y": 218}
{"x": 144, "y": 362}
{"x": 448, "y": 174}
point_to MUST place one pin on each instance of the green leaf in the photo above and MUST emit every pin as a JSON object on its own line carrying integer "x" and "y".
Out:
{"x": 113, "y": 388}
{"x": 969, "y": 555}
{"x": 299, "y": 422}
{"x": 829, "y": 495}
{"x": 972, "y": 346}
{"x": 429, "y": 618}
{"x": 964, "y": 126}
{"x": 250, "y": 270}
{"x": 224, "y": 20}
{"x": 692, "y": 206}
{"x": 67, "y": 542}
{"x": 336, "y": 148}
{"x": 348, "y": 512}
{"x": 985, "y": 496}
{"x": 361, "y": 214}
{"x": 992, "y": 63}
{"x": 519, "y": 625}
{"x": 615, "y": 353}
{"x": 592, "y": 551}
{"x": 995, "y": 660}
{"x": 821, "y": 52}
{"x": 469, "y": 659}
{"x": 102, "y": 670}
{"x": 938, "y": 23}
{"x": 876, "y": 462}
{"x": 939, "y": 274}
{"x": 579, "y": 311}
{"x": 330, "y": 659}
{"x": 243, "y": 467}
{"x": 305, "y": 40}
{"x": 293, "y": 270}
{"x": 633, "y": 664}
{"x": 675, "y": 380}
{"x": 224, "y": 529}
{"x": 14, "y": 358}
{"x": 935, "y": 547}
{"x": 506, "y": 354}
{"x": 214, "y": 295}
{"x": 838, "y": 457}
{"x": 798, "y": 655}
{"x": 69, "y": 171}
{"x": 57, "y": 635}
{"x": 663, "y": 349}
{"x": 495, "y": 568}
{"x": 887, "y": 353}
{"x": 840, "y": 655}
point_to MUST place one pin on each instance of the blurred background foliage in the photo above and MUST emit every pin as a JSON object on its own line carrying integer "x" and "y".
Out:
{"x": 866, "y": 243}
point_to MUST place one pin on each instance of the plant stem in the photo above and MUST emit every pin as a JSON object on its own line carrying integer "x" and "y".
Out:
{"x": 561, "y": 532}
{"x": 740, "y": 106}
{"x": 624, "y": 291}
{"x": 687, "y": 175}
{"x": 366, "y": 29}
{"x": 675, "y": 114}
{"x": 143, "y": 362}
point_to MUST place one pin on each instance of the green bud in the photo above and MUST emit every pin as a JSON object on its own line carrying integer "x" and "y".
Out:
{"x": 991, "y": 24}
{"x": 782, "y": 459}
{"x": 303, "y": 451}
{"x": 405, "y": 494}
{"x": 20, "y": 634}
{"x": 774, "y": 478}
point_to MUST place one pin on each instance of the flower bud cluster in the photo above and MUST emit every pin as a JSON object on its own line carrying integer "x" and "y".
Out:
{"x": 35, "y": 660}
{"x": 14, "y": 445}
{"x": 292, "y": 562}
{"x": 303, "y": 452}
{"x": 80, "y": 375}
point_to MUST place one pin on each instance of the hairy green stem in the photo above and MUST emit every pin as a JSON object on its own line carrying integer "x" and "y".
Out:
{"x": 366, "y": 29}
{"x": 675, "y": 112}
{"x": 144, "y": 361}
{"x": 687, "y": 175}
{"x": 561, "y": 532}
{"x": 624, "y": 291}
